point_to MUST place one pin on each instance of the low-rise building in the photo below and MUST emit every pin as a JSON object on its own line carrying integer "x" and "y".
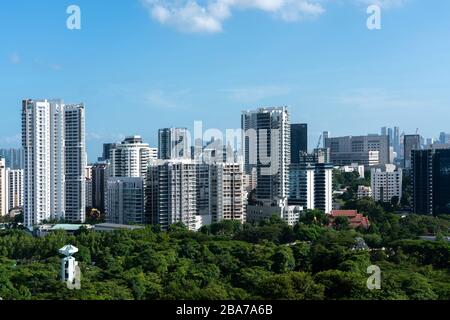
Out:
{"x": 354, "y": 167}
{"x": 111, "y": 227}
{"x": 355, "y": 219}
{"x": 364, "y": 192}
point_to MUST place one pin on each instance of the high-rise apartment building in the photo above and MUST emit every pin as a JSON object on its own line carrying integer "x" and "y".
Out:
{"x": 15, "y": 188}
{"x": 75, "y": 162}
{"x": 125, "y": 200}
{"x": 410, "y": 143}
{"x": 386, "y": 183}
{"x": 53, "y": 139}
{"x": 311, "y": 185}
{"x": 301, "y": 191}
{"x": 227, "y": 199}
{"x": 299, "y": 141}
{"x": 174, "y": 143}
{"x": 345, "y": 149}
{"x": 183, "y": 190}
{"x": 267, "y": 147}
{"x": 172, "y": 193}
{"x": 153, "y": 153}
{"x": 99, "y": 177}
{"x": 88, "y": 186}
{"x": 323, "y": 187}
{"x": 431, "y": 181}
{"x": 130, "y": 158}
{"x": 3, "y": 188}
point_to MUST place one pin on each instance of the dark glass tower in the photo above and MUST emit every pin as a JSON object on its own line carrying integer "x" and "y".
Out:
{"x": 431, "y": 181}
{"x": 441, "y": 182}
{"x": 107, "y": 151}
{"x": 299, "y": 141}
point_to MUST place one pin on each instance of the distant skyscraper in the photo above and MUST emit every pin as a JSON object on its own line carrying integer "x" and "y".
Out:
{"x": 53, "y": 139}
{"x": 384, "y": 131}
{"x": 396, "y": 143}
{"x": 14, "y": 158}
{"x": 431, "y": 181}
{"x": 410, "y": 142}
{"x": 326, "y": 135}
{"x": 173, "y": 143}
{"x": 391, "y": 136}
{"x": 299, "y": 141}
{"x": 107, "y": 151}
{"x": 444, "y": 138}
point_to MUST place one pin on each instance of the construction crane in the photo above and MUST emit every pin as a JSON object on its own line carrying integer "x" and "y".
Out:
{"x": 318, "y": 143}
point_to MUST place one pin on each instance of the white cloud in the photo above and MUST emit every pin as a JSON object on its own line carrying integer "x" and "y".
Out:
{"x": 208, "y": 16}
{"x": 14, "y": 58}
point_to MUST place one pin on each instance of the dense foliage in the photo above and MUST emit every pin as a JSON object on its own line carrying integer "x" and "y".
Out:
{"x": 229, "y": 261}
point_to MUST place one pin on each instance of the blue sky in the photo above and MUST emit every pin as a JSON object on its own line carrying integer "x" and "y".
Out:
{"x": 140, "y": 65}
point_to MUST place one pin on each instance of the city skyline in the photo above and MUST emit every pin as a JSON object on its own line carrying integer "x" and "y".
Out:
{"x": 329, "y": 69}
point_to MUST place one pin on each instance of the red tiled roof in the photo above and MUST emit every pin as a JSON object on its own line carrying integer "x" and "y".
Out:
{"x": 355, "y": 219}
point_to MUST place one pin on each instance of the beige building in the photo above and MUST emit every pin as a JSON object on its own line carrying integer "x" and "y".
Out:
{"x": 15, "y": 188}
{"x": 227, "y": 194}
